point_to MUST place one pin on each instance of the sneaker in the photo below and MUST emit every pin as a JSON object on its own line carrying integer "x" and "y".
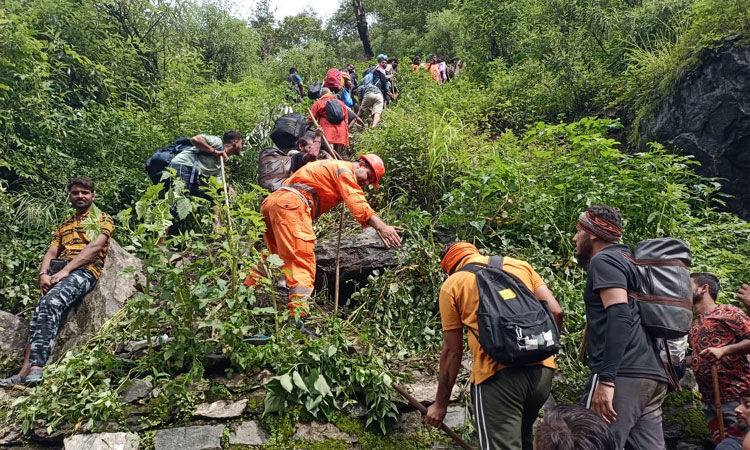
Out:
{"x": 12, "y": 381}
{"x": 34, "y": 377}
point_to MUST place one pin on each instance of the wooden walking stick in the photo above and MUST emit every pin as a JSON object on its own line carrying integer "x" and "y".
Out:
{"x": 331, "y": 151}
{"x": 717, "y": 400}
{"x": 413, "y": 401}
{"x": 226, "y": 193}
{"x": 341, "y": 220}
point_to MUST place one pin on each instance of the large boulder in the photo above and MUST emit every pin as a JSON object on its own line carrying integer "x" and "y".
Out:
{"x": 360, "y": 255}
{"x": 14, "y": 334}
{"x": 708, "y": 116}
{"x": 104, "y": 301}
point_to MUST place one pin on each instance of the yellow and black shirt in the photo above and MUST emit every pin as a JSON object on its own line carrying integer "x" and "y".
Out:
{"x": 70, "y": 238}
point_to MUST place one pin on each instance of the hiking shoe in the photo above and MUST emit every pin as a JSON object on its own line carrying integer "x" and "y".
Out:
{"x": 34, "y": 377}
{"x": 12, "y": 381}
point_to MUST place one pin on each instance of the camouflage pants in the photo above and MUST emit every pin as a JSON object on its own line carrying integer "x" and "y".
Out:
{"x": 51, "y": 310}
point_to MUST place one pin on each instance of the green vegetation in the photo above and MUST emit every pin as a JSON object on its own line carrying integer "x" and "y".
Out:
{"x": 505, "y": 156}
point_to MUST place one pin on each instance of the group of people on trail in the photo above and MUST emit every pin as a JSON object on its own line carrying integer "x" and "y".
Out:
{"x": 362, "y": 97}
{"x": 513, "y": 318}
{"x": 440, "y": 70}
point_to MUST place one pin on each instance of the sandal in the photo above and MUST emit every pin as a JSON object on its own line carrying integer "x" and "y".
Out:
{"x": 12, "y": 381}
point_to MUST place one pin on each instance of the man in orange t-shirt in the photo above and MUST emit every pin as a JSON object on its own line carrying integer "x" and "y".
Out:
{"x": 506, "y": 399}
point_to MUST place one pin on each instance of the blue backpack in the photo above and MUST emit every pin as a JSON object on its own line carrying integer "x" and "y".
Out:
{"x": 367, "y": 79}
{"x": 346, "y": 97}
{"x": 161, "y": 158}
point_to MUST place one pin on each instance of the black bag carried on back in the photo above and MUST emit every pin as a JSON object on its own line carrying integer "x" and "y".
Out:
{"x": 334, "y": 111}
{"x": 515, "y": 327}
{"x": 665, "y": 299}
{"x": 274, "y": 166}
{"x": 161, "y": 158}
{"x": 313, "y": 91}
{"x": 287, "y": 129}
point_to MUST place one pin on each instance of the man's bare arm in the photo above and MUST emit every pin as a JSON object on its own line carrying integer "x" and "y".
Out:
{"x": 86, "y": 256}
{"x": 544, "y": 294}
{"x": 450, "y": 363}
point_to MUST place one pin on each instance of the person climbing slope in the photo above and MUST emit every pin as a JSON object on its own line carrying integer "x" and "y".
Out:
{"x": 331, "y": 113}
{"x": 311, "y": 191}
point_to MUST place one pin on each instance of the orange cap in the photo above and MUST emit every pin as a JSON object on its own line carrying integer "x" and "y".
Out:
{"x": 455, "y": 254}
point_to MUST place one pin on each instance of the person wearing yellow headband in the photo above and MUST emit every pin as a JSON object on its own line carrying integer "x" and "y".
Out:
{"x": 506, "y": 399}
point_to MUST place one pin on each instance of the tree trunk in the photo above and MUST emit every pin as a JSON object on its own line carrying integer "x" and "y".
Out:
{"x": 359, "y": 12}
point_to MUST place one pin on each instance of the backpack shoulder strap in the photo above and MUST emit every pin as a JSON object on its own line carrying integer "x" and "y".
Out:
{"x": 496, "y": 262}
{"x": 472, "y": 267}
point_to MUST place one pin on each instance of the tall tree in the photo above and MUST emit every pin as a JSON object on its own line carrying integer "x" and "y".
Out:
{"x": 359, "y": 12}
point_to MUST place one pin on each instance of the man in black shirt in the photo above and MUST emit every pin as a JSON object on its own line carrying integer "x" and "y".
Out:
{"x": 627, "y": 383}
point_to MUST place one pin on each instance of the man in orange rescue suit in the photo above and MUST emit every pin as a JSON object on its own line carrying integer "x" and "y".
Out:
{"x": 311, "y": 191}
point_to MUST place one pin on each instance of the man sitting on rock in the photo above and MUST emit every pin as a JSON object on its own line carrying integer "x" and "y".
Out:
{"x": 69, "y": 270}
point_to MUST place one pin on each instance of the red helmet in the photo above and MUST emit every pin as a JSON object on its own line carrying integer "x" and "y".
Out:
{"x": 376, "y": 164}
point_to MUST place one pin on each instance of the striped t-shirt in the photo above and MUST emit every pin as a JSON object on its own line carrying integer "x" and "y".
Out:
{"x": 70, "y": 238}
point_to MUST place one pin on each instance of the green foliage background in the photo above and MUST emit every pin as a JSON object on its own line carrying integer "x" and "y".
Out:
{"x": 506, "y": 156}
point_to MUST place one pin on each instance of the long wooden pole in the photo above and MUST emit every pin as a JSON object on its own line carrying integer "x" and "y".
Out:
{"x": 226, "y": 192}
{"x": 413, "y": 401}
{"x": 717, "y": 400}
{"x": 341, "y": 221}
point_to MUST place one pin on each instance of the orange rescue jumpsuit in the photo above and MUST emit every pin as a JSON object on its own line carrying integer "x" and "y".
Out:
{"x": 289, "y": 213}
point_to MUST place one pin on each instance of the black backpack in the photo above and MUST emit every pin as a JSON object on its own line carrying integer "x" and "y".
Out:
{"x": 665, "y": 299}
{"x": 313, "y": 91}
{"x": 287, "y": 129}
{"x": 334, "y": 111}
{"x": 161, "y": 158}
{"x": 515, "y": 328}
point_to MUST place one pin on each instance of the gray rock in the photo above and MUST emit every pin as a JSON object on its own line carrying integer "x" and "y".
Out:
{"x": 57, "y": 436}
{"x": 220, "y": 409}
{"x": 237, "y": 381}
{"x": 320, "y": 432}
{"x": 136, "y": 346}
{"x": 9, "y": 435}
{"x": 455, "y": 416}
{"x": 357, "y": 410}
{"x": 103, "y": 302}
{"x": 203, "y": 437}
{"x": 424, "y": 391}
{"x": 248, "y": 433}
{"x": 688, "y": 381}
{"x": 137, "y": 390}
{"x": 4, "y": 397}
{"x": 103, "y": 441}
{"x": 363, "y": 251}
{"x": 14, "y": 334}
{"x": 409, "y": 422}
{"x": 708, "y": 116}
